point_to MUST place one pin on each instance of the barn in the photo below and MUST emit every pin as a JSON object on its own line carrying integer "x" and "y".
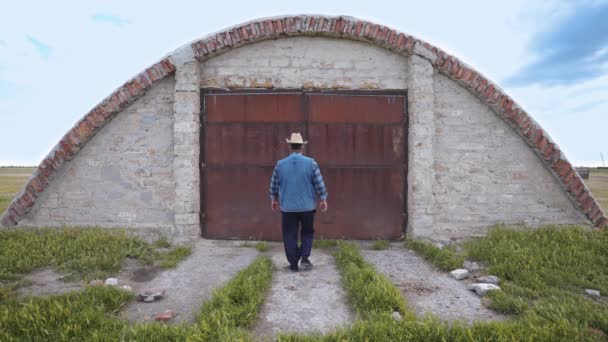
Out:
{"x": 411, "y": 141}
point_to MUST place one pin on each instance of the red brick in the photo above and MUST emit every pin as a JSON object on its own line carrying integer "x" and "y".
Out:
{"x": 35, "y": 184}
{"x": 489, "y": 91}
{"x": 588, "y": 204}
{"x": 564, "y": 169}
{"x": 569, "y": 177}
{"x": 542, "y": 142}
{"x": 409, "y": 43}
{"x": 495, "y": 98}
{"x": 594, "y": 212}
{"x": 577, "y": 186}
{"x": 603, "y": 222}
{"x": 400, "y": 41}
{"x": 454, "y": 67}
{"x": 68, "y": 149}
{"x": 391, "y": 37}
{"x": 367, "y": 29}
{"x": 18, "y": 208}
{"x": 582, "y": 196}
{"x": 482, "y": 85}
{"x": 467, "y": 75}
{"x": 548, "y": 150}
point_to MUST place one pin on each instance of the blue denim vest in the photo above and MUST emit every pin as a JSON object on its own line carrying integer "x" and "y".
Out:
{"x": 297, "y": 191}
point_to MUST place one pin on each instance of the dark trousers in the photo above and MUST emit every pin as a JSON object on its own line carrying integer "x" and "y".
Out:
{"x": 290, "y": 235}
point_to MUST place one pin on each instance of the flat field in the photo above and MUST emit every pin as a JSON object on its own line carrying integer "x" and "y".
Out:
{"x": 11, "y": 181}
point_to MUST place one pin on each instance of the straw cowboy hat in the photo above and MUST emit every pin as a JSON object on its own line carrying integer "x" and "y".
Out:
{"x": 296, "y": 138}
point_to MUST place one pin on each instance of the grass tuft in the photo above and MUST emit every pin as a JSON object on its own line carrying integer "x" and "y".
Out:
{"x": 171, "y": 258}
{"x": 162, "y": 242}
{"x": 379, "y": 245}
{"x": 262, "y": 246}
{"x": 85, "y": 251}
{"x": 324, "y": 243}
{"x": 237, "y": 304}
{"x": 445, "y": 259}
{"x": 370, "y": 293}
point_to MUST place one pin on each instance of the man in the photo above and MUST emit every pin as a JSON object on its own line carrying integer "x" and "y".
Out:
{"x": 296, "y": 182}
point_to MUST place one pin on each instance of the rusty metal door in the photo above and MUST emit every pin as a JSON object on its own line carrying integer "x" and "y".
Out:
{"x": 244, "y": 136}
{"x": 359, "y": 143}
{"x": 357, "y": 139}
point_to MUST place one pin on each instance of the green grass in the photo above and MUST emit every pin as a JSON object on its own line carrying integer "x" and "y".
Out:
{"x": 262, "y": 246}
{"x": 91, "y": 251}
{"x": 171, "y": 258}
{"x": 370, "y": 293}
{"x": 92, "y": 314}
{"x": 379, "y": 245}
{"x": 543, "y": 265}
{"x": 569, "y": 317}
{"x": 83, "y": 252}
{"x": 324, "y": 243}
{"x": 162, "y": 242}
{"x": 445, "y": 259}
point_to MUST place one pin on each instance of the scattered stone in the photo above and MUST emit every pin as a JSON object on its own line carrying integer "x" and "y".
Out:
{"x": 396, "y": 316}
{"x": 472, "y": 266}
{"x": 96, "y": 282}
{"x": 165, "y": 315}
{"x": 481, "y": 289}
{"x": 151, "y": 295}
{"x": 593, "y": 293}
{"x": 439, "y": 245}
{"x": 459, "y": 274}
{"x": 111, "y": 281}
{"x": 127, "y": 288}
{"x": 488, "y": 279}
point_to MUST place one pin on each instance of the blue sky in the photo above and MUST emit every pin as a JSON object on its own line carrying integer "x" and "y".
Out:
{"x": 58, "y": 59}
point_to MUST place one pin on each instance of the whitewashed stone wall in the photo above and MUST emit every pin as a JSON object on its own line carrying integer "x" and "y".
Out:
{"x": 306, "y": 62}
{"x": 484, "y": 173}
{"x": 123, "y": 177}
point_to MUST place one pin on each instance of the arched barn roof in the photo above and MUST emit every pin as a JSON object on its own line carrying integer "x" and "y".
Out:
{"x": 311, "y": 25}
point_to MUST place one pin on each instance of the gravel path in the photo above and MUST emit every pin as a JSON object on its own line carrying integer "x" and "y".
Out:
{"x": 427, "y": 289}
{"x": 303, "y": 302}
{"x": 211, "y": 264}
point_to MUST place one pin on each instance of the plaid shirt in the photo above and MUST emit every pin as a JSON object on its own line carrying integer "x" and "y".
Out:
{"x": 317, "y": 182}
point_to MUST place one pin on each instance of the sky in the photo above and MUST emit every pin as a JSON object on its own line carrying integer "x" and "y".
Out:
{"x": 58, "y": 59}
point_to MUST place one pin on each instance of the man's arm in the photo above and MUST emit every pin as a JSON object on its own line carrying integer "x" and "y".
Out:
{"x": 317, "y": 181}
{"x": 274, "y": 189}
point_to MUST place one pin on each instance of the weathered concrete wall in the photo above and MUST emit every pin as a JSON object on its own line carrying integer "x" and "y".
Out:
{"x": 123, "y": 176}
{"x": 484, "y": 172}
{"x": 306, "y": 62}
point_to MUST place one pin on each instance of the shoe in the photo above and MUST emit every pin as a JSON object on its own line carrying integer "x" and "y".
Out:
{"x": 306, "y": 264}
{"x": 293, "y": 268}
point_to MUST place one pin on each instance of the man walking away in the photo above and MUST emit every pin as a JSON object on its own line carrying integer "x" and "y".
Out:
{"x": 296, "y": 182}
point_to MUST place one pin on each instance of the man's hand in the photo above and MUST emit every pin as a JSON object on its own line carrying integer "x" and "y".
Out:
{"x": 274, "y": 205}
{"x": 323, "y": 206}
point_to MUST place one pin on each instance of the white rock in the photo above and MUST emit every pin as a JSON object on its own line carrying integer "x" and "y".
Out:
{"x": 459, "y": 274}
{"x": 594, "y": 293}
{"x": 127, "y": 288}
{"x": 489, "y": 279}
{"x": 472, "y": 266}
{"x": 396, "y": 316}
{"x": 111, "y": 281}
{"x": 481, "y": 288}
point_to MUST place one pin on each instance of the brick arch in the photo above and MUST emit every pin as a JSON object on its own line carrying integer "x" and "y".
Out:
{"x": 339, "y": 27}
